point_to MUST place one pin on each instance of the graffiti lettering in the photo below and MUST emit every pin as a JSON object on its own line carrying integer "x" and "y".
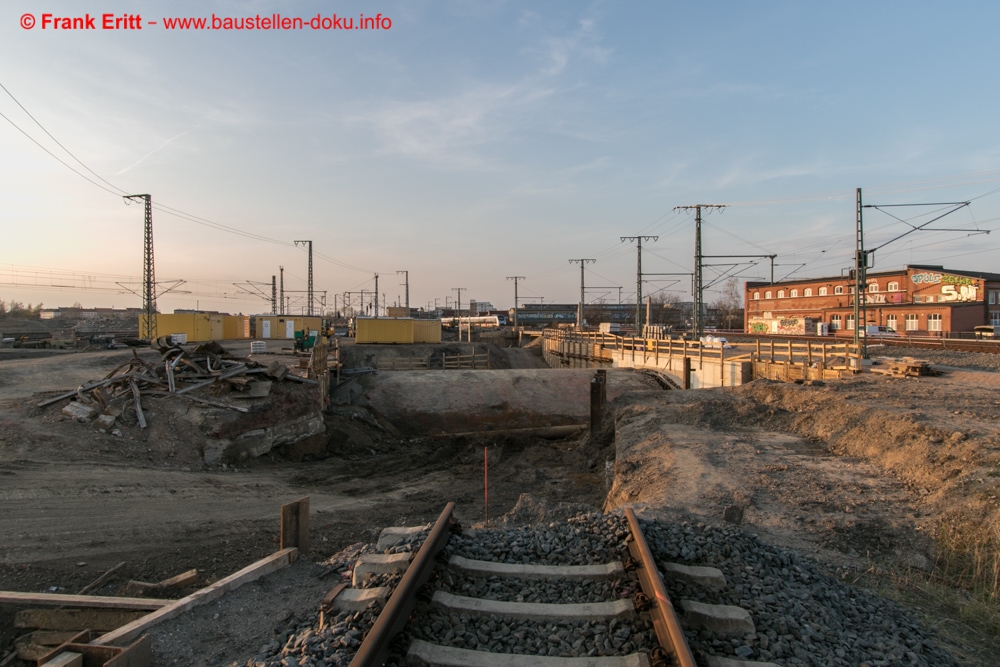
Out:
{"x": 936, "y": 278}
{"x": 926, "y": 278}
{"x": 963, "y": 293}
{"x": 758, "y": 327}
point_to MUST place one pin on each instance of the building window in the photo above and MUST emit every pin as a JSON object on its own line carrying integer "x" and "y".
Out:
{"x": 794, "y": 293}
{"x": 767, "y": 294}
{"x": 929, "y": 298}
{"x": 781, "y": 294}
{"x": 807, "y": 291}
{"x": 835, "y": 322}
{"x": 822, "y": 291}
{"x": 873, "y": 287}
{"x": 850, "y": 322}
{"x": 995, "y": 318}
{"x": 934, "y": 322}
{"x": 912, "y": 322}
{"x": 893, "y": 287}
{"x": 994, "y": 297}
{"x": 890, "y": 321}
{"x": 839, "y": 289}
{"x": 850, "y": 289}
{"x": 756, "y": 296}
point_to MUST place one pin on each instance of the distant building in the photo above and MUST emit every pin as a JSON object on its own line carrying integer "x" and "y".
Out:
{"x": 920, "y": 299}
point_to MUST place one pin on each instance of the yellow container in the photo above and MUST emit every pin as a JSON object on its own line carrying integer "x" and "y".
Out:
{"x": 426, "y": 331}
{"x": 397, "y": 331}
{"x": 235, "y": 327}
{"x": 195, "y": 326}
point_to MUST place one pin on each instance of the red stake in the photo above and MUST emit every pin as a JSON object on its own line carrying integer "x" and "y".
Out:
{"x": 486, "y": 482}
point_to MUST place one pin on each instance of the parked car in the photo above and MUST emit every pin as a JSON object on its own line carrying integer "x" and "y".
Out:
{"x": 716, "y": 342}
{"x": 872, "y": 331}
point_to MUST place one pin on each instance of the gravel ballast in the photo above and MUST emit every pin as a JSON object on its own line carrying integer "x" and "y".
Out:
{"x": 802, "y": 616}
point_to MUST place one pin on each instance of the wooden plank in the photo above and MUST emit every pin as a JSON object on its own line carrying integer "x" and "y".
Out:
{"x": 251, "y": 572}
{"x": 295, "y": 525}
{"x": 65, "y": 659}
{"x": 101, "y": 620}
{"x": 90, "y": 601}
{"x": 182, "y": 580}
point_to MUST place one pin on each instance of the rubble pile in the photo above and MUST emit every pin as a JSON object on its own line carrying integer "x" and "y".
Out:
{"x": 208, "y": 369}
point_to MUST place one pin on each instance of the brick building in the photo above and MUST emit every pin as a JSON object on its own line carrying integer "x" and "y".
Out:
{"x": 917, "y": 300}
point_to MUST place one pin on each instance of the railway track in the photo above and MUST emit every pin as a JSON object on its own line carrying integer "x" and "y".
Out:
{"x": 587, "y": 591}
{"x": 602, "y": 604}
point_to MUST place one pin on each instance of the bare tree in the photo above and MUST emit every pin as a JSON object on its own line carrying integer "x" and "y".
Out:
{"x": 730, "y": 305}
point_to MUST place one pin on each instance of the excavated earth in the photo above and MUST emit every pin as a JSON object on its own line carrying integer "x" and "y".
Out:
{"x": 855, "y": 475}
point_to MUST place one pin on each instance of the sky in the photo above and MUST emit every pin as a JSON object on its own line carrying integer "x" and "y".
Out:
{"x": 466, "y": 142}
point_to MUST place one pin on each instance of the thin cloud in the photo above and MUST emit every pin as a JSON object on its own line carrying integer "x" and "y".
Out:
{"x": 155, "y": 150}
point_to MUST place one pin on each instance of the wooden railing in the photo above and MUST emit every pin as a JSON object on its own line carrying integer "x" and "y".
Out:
{"x": 819, "y": 355}
{"x": 471, "y": 361}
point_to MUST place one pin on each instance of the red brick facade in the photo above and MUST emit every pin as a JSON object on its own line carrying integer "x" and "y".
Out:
{"x": 917, "y": 300}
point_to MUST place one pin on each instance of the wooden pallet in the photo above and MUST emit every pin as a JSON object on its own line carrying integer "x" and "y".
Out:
{"x": 906, "y": 367}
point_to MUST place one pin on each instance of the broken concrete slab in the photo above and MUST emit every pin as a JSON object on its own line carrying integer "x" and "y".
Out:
{"x": 722, "y": 619}
{"x": 393, "y": 535}
{"x": 709, "y": 577}
{"x": 380, "y": 564}
{"x": 357, "y": 599}
{"x": 104, "y": 422}
{"x": 78, "y": 410}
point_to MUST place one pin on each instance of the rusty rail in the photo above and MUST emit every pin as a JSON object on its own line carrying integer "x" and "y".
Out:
{"x": 392, "y": 620}
{"x": 661, "y": 611}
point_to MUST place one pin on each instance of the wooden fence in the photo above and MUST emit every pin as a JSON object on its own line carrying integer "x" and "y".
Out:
{"x": 776, "y": 360}
{"x": 471, "y": 361}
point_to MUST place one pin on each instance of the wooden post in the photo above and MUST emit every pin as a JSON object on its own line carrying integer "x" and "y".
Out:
{"x": 295, "y": 525}
{"x": 824, "y": 354}
{"x": 595, "y": 406}
{"x": 686, "y": 373}
{"x": 809, "y": 358}
{"x": 758, "y": 348}
{"x": 722, "y": 365}
{"x": 772, "y": 350}
{"x": 473, "y": 358}
{"x": 790, "y": 361}
{"x": 701, "y": 354}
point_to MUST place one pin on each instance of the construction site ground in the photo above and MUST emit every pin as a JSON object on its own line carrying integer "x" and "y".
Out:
{"x": 880, "y": 479}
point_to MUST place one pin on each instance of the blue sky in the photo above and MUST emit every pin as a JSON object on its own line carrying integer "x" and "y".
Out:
{"x": 478, "y": 140}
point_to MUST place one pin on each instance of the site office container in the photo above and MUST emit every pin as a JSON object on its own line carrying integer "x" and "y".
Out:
{"x": 285, "y": 326}
{"x": 390, "y": 330}
{"x": 196, "y": 326}
{"x": 235, "y": 327}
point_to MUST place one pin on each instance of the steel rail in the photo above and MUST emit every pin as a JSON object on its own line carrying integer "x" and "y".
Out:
{"x": 375, "y": 647}
{"x": 665, "y": 622}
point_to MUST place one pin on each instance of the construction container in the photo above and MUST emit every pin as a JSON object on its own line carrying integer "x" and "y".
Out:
{"x": 285, "y": 326}
{"x": 235, "y": 327}
{"x": 197, "y": 326}
{"x": 397, "y": 330}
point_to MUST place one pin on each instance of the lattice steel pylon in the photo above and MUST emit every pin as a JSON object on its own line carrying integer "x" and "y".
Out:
{"x": 147, "y": 320}
{"x": 309, "y": 305}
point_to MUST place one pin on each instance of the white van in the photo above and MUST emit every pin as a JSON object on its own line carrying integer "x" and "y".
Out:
{"x": 872, "y": 331}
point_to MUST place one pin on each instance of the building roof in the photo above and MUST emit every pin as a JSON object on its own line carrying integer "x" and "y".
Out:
{"x": 982, "y": 275}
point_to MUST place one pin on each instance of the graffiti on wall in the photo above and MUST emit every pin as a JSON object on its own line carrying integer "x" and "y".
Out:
{"x": 759, "y": 327}
{"x": 963, "y": 293}
{"x": 943, "y": 278}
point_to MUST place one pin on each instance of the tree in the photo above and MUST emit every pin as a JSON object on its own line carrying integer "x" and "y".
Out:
{"x": 730, "y": 305}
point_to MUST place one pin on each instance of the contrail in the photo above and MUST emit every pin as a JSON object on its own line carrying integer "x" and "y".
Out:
{"x": 155, "y": 150}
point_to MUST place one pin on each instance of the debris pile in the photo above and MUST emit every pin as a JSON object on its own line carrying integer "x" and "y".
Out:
{"x": 209, "y": 369}
{"x": 906, "y": 367}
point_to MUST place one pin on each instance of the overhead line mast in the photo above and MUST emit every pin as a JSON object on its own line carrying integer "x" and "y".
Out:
{"x": 148, "y": 323}
{"x": 638, "y": 277}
